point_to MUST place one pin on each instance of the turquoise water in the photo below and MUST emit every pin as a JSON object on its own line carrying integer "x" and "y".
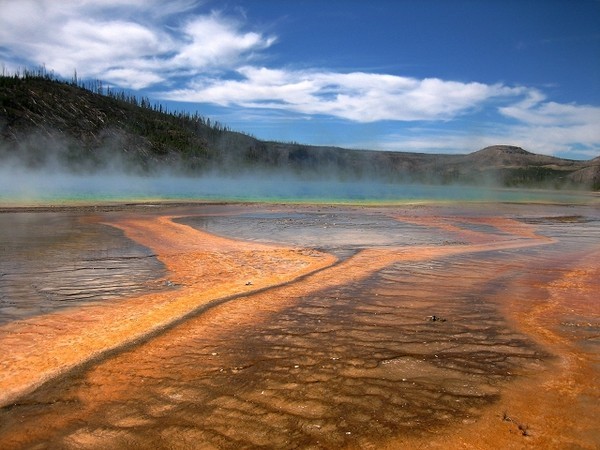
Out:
{"x": 43, "y": 188}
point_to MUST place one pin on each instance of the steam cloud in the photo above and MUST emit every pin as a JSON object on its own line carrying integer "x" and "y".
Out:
{"x": 40, "y": 170}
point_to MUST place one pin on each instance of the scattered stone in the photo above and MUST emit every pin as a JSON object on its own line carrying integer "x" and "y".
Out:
{"x": 436, "y": 319}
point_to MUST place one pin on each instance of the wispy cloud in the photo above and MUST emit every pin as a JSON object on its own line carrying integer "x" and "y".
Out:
{"x": 551, "y": 127}
{"x": 577, "y": 137}
{"x": 432, "y": 140}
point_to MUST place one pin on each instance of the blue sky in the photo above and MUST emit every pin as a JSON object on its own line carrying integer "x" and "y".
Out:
{"x": 445, "y": 76}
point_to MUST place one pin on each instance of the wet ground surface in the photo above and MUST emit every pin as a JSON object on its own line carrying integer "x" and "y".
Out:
{"x": 352, "y": 364}
{"x": 411, "y": 350}
{"x": 56, "y": 260}
{"x": 334, "y": 230}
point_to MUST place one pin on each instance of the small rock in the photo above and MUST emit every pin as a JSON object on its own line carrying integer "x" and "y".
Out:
{"x": 436, "y": 319}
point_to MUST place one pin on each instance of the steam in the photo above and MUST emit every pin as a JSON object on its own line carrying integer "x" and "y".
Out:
{"x": 34, "y": 186}
{"x": 49, "y": 169}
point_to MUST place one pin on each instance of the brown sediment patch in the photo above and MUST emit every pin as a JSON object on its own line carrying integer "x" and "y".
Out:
{"x": 52, "y": 261}
{"x": 556, "y": 406}
{"x": 201, "y": 267}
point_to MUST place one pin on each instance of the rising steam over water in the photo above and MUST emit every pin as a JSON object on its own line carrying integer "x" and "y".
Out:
{"x": 18, "y": 185}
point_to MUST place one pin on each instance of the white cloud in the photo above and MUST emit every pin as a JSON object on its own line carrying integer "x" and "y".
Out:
{"x": 431, "y": 141}
{"x": 134, "y": 78}
{"x": 213, "y": 41}
{"x": 558, "y": 140}
{"x": 108, "y": 39}
{"x": 537, "y": 125}
{"x": 574, "y": 138}
{"x": 357, "y": 96}
{"x": 534, "y": 110}
{"x": 551, "y": 128}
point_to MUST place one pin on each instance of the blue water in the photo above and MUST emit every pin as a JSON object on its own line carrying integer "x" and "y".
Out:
{"x": 48, "y": 188}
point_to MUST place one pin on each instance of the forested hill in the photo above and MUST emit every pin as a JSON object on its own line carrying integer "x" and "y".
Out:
{"x": 48, "y": 123}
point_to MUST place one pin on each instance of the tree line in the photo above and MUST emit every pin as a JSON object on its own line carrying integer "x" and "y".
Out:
{"x": 97, "y": 86}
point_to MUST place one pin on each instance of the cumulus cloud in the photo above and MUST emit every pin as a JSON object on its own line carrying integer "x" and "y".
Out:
{"x": 128, "y": 43}
{"x": 211, "y": 41}
{"x": 140, "y": 44}
{"x": 356, "y": 96}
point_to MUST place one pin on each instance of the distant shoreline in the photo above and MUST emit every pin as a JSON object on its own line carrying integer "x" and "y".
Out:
{"x": 106, "y": 206}
{"x": 574, "y": 197}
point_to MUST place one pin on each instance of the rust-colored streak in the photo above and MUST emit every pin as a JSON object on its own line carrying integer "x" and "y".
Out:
{"x": 456, "y": 225}
{"x": 205, "y": 267}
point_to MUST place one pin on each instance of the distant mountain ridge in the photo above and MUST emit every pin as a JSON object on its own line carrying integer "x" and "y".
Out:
{"x": 50, "y": 123}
